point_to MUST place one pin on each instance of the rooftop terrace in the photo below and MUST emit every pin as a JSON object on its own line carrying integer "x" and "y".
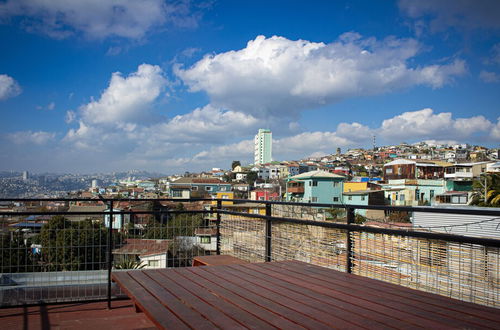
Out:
{"x": 73, "y": 262}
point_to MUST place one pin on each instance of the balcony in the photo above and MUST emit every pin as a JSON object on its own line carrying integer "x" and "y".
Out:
{"x": 296, "y": 190}
{"x": 459, "y": 176}
{"x": 62, "y": 261}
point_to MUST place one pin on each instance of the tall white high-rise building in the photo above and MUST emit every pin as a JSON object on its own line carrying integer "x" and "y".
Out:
{"x": 26, "y": 175}
{"x": 263, "y": 146}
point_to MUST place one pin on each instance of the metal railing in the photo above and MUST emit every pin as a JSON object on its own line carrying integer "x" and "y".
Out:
{"x": 73, "y": 259}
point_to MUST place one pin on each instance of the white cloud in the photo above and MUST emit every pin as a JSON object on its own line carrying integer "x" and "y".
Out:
{"x": 276, "y": 76}
{"x": 126, "y": 98}
{"x": 70, "y": 117}
{"x": 464, "y": 14}
{"x": 489, "y": 77}
{"x": 207, "y": 124}
{"x": 495, "y": 132}
{"x": 425, "y": 124}
{"x": 29, "y": 137}
{"x": 8, "y": 87}
{"x": 354, "y": 131}
{"x": 51, "y": 106}
{"x": 97, "y": 19}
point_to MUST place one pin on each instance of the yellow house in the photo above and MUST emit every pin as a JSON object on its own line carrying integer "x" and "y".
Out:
{"x": 355, "y": 186}
{"x": 224, "y": 195}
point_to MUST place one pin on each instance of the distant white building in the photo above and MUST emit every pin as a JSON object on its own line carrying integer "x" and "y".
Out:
{"x": 263, "y": 146}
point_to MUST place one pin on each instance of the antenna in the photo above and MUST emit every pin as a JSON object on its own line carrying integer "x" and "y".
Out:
{"x": 374, "y": 139}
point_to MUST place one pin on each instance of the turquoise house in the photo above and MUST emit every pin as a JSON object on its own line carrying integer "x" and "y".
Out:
{"x": 315, "y": 187}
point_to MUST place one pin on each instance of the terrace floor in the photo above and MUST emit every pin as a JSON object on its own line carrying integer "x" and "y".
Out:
{"x": 271, "y": 295}
{"x": 75, "y": 316}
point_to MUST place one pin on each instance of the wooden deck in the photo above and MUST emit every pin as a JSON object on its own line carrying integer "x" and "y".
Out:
{"x": 291, "y": 295}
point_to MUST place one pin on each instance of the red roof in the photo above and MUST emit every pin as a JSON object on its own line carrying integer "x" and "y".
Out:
{"x": 143, "y": 247}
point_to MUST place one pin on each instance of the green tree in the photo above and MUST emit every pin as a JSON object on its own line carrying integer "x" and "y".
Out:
{"x": 176, "y": 225}
{"x": 490, "y": 183}
{"x": 235, "y": 163}
{"x": 70, "y": 245}
{"x": 15, "y": 254}
{"x": 251, "y": 177}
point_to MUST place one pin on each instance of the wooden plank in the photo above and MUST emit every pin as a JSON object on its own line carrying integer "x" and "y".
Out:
{"x": 154, "y": 311}
{"x": 374, "y": 293}
{"x": 217, "y": 260}
{"x": 357, "y": 317}
{"x": 218, "y": 318}
{"x": 274, "y": 320}
{"x": 478, "y": 312}
{"x": 184, "y": 312}
{"x": 359, "y": 283}
{"x": 269, "y": 303}
{"x": 375, "y": 306}
{"x": 335, "y": 304}
{"x": 302, "y": 304}
{"x": 208, "y": 297}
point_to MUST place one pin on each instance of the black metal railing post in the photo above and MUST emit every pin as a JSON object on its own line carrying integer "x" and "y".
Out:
{"x": 349, "y": 256}
{"x": 268, "y": 232}
{"x": 110, "y": 252}
{"x": 217, "y": 224}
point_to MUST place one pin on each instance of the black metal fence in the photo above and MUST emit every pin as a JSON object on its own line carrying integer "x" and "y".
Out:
{"x": 70, "y": 255}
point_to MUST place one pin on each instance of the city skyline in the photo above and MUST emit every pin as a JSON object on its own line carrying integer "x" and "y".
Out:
{"x": 179, "y": 86}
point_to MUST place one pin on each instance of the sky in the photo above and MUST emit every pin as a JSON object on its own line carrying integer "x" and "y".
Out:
{"x": 173, "y": 86}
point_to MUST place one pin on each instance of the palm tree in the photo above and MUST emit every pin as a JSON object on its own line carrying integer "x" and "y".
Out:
{"x": 129, "y": 263}
{"x": 492, "y": 196}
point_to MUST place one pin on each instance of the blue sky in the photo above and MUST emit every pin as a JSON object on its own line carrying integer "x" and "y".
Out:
{"x": 97, "y": 86}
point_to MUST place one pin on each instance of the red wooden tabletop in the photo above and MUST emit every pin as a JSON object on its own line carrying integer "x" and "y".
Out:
{"x": 292, "y": 295}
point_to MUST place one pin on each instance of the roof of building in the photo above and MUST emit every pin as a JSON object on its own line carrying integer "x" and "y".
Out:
{"x": 318, "y": 175}
{"x": 143, "y": 247}
{"x": 401, "y": 162}
{"x": 87, "y": 208}
{"x": 187, "y": 180}
{"x": 362, "y": 192}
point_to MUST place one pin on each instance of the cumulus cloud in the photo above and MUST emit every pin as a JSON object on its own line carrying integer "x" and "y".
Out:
{"x": 97, "y": 19}
{"x": 207, "y": 124}
{"x": 495, "y": 132}
{"x": 464, "y": 14}
{"x": 489, "y": 77}
{"x": 276, "y": 76}
{"x": 354, "y": 131}
{"x": 8, "y": 87}
{"x": 425, "y": 124}
{"x": 29, "y": 137}
{"x": 126, "y": 98}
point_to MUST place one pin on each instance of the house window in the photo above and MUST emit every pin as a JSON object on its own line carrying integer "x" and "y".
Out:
{"x": 335, "y": 199}
{"x": 349, "y": 198}
{"x": 208, "y": 188}
{"x": 205, "y": 239}
{"x": 335, "y": 184}
{"x": 314, "y": 199}
{"x": 417, "y": 193}
{"x": 194, "y": 188}
{"x": 262, "y": 198}
{"x": 431, "y": 193}
{"x": 176, "y": 193}
{"x": 153, "y": 263}
{"x": 401, "y": 197}
{"x": 222, "y": 189}
{"x": 362, "y": 198}
{"x": 388, "y": 171}
{"x": 315, "y": 183}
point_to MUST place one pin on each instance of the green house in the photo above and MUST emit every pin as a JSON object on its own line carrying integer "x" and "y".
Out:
{"x": 315, "y": 187}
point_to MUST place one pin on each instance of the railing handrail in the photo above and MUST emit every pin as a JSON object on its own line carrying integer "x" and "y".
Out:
{"x": 429, "y": 209}
{"x": 363, "y": 228}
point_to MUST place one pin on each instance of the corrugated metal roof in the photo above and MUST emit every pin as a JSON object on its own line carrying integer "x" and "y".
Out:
{"x": 317, "y": 174}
